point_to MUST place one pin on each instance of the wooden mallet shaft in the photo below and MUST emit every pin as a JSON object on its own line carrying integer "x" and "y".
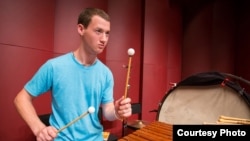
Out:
{"x": 131, "y": 52}
{"x": 234, "y": 118}
{"x": 90, "y": 110}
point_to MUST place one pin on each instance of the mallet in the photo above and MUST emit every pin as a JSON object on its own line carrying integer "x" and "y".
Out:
{"x": 131, "y": 52}
{"x": 90, "y": 110}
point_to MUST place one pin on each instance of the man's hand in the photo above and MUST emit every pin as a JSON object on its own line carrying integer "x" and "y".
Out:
{"x": 47, "y": 134}
{"x": 123, "y": 108}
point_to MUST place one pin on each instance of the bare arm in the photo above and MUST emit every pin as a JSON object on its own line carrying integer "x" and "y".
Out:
{"x": 118, "y": 110}
{"x": 24, "y": 105}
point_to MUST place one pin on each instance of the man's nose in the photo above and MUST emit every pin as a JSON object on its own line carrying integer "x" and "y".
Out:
{"x": 104, "y": 37}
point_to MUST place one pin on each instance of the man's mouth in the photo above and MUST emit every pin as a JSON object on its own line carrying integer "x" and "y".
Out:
{"x": 101, "y": 46}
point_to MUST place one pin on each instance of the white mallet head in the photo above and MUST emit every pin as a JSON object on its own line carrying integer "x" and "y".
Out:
{"x": 131, "y": 52}
{"x": 91, "y": 110}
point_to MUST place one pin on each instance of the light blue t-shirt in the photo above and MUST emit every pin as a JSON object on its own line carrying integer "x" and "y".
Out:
{"x": 74, "y": 89}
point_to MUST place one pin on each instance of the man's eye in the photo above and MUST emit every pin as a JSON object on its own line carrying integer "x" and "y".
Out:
{"x": 98, "y": 31}
{"x": 107, "y": 33}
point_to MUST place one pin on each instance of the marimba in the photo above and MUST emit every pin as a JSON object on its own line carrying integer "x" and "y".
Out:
{"x": 155, "y": 131}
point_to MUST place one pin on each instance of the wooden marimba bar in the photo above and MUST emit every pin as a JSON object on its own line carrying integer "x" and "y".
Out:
{"x": 155, "y": 131}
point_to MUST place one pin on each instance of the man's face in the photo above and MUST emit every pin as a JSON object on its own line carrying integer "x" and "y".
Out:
{"x": 96, "y": 35}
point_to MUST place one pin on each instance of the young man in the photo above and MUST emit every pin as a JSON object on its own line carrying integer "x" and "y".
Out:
{"x": 77, "y": 81}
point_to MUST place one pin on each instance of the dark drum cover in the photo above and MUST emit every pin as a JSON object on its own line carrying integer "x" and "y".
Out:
{"x": 204, "y": 97}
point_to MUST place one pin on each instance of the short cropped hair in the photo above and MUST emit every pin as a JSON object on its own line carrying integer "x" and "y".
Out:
{"x": 87, "y": 14}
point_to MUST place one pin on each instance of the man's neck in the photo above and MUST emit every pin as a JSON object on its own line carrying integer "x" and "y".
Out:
{"x": 83, "y": 58}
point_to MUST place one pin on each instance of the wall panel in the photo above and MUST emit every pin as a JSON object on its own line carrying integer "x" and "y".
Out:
{"x": 209, "y": 39}
{"x": 27, "y": 24}
{"x": 160, "y": 39}
{"x": 126, "y": 29}
{"x": 18, "y": 66}
{"x": 26, "y": 41}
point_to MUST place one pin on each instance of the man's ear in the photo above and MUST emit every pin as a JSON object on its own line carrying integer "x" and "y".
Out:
{"x": 80, "y": 29}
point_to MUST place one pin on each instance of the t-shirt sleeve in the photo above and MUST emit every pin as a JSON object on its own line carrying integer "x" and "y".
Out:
{"x": 108, "y": 92}
{"x": 41, "y": 81}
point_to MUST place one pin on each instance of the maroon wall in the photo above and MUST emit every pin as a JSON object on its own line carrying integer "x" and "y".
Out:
{"x": 209, "y": 39}
{"x": 126, "y": 28}
{"x": 169, "y": 44}
{"x": 215, "y": 38}
{"x": 26, "y": 41}
{"x": 161, "y": 60}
